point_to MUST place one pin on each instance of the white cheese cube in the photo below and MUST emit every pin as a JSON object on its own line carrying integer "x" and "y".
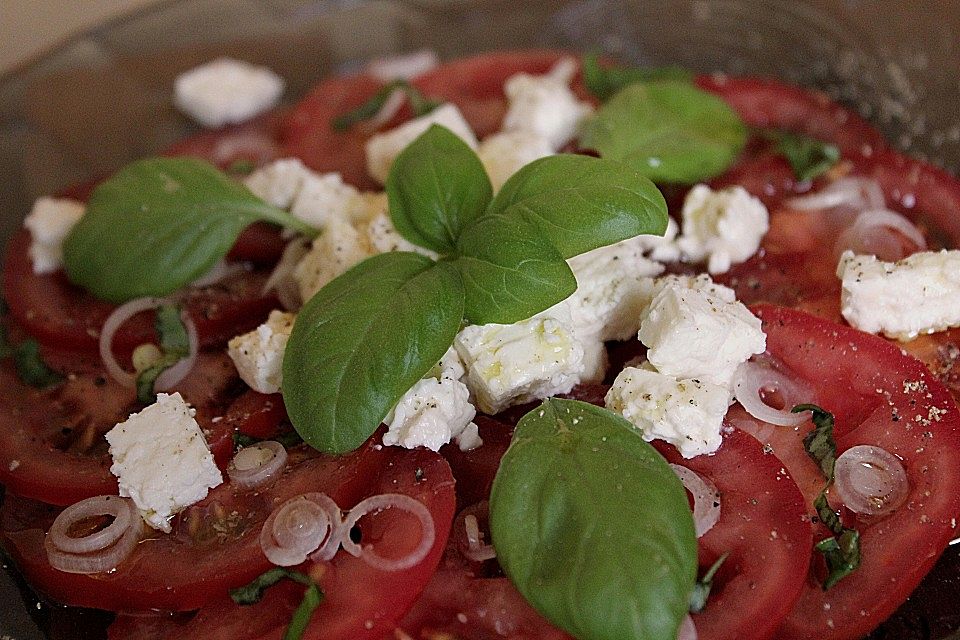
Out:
{"x": 690, "y": 332}
{"x": 326, "y": 197}
{"x": 686, "y": 413}
{"x": 545, "y": 105}
{"x": 614, "y": 286}
{"x": 505, "y": 153}
{"x": 511, "y": 364}
{"x": 49, "y": 222}
{"x": 918, "y": 294}
{"x": 226, "y": 91}
{"x": 338, "y": 248}
{"x": 663, "y": 248}
{"x": 383, "y": 148}
{"x": 434, "y": 411}
{"x": 722, "y": 227}
{"x": 384, "y": 237}
{"x": 405, "y": 66}
{"x": 595, "y": 360}
{"x": 162, "y": 461}
{"x": 258, "y": 355}
{"x": 279, "y": 182}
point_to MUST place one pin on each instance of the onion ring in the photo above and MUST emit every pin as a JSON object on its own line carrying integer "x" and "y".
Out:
{"x": 870, "y": 480}
{"x": 250, "y": 469}
{"x": 101, "y": 550}
{"x": 706, "y": 498}
{"x": 754, "y": 377}
{"x": 376, "y": 504}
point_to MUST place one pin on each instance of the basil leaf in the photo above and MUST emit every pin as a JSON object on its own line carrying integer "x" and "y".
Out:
{"x": 157, "y": 225}
{"x": 580, "y": 203}
{"x": 701, "y": 590}
{"x": 509, "y": 271}
{"x": 175, "y": 345}
{"x": 819, "y": 443}
{"x": 419, "y": 104}
{"x": 436, "y": 187}
{"x": 842, "y": 556}
{"x": 592, "y": 525}
{"x": 31, "y": 369}
{"x": 668, "y": 131}
{"x": 808, "y": 157}
{"x": 604, "y": 82}
{"x": 826, "y": 514}
{"x": 312, "y": 597}
{"x": 362, "y": 341}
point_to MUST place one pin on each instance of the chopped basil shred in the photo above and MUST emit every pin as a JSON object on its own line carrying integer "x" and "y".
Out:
{"x": 419, "y": 104}
{"x": 31, "y": 368}
{"x": 808, "y": 157}
{"x": 174, "y": 344}
{"x": 701, "y": 590}
{"x": 312, "y": 597}
{"x": 841, "y": 551}
{"x": 604, "y": 82}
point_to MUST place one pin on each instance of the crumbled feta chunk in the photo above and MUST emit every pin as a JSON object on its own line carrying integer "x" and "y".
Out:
{"x": 162, "y": 461}
{"x": 545, "y": 105}
{"x": 226, "y": 91}
{"x": 324, "y": 197}
{"x": 279, "y": 182}
{"x": 686, "y": 413}
{"x": 722, "y": 227}
{"x": 903, "y": 299}
{"x": 434, "y": 411}
{"x": 258, "y": 355}
{"x": 49, "y": 222}
{"x": 384, "y": 237}
{"x": 515, "y": 363}
{"x": 696, "y": 329}
{"x": 663, "y": 248}
{"x": 595, "y": 360}
{"x": 505, "y": 153}
{"x": 338, "y": 248}
{"x": 405, "y": 66}
{"x": 383, "y": 148}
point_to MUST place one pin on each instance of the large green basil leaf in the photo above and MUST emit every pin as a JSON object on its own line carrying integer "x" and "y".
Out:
{"x": 159, "y": 224}
{"x": 510, "y": 271}
{"x": 362, "y": 341}
{"x": 436, "y": 187}
{"x": 592, "y": 525}
{"x": 669, "y": 131}
{"x": 580, "y": 203}
{"x": 604, "y": 82}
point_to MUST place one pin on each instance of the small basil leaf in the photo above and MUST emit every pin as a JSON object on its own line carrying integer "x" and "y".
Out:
{"x": 808, "y": 157}
{"x": 819, "y": 442}
{"x": 592, "y": 525}
{"x": 842, "y": 555}
{"x": 509, "y": 271}
{"x": 436, "y": 187}
{"x": 362, "y": 341}
{"x": 604, "y": 82}
{"x": 31, "y": 369}
{"x": 668, "y": 131}
{"x": 580, "y": 203}
{"x": 147, "y": 378}
{"x": 157, "y": 225}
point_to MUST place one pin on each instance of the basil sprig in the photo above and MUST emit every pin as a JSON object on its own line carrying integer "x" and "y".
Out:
{"x": 174, "y": 346}
{"x": 369, "y": 335}
{"x": 667, "y": 130}
{"x": 592, "y": 525}
{"x": 605, "y": 81}
{"x": 808, "y": 157}
{"x": 252, "y": 593}
{"x": 419, "y": 104}
{"x": 158, "y": 224}
{"x": 841, "y": 551}
{"x": 31, "y": 369}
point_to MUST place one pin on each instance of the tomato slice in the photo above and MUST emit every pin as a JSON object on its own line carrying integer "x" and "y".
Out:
{"x": 882, "y": 397}
{"x": 58, "y": 313}
{"x": 361, "y": 602}
{"x": 764, "y": 529}
{"x": 256, "y": 141}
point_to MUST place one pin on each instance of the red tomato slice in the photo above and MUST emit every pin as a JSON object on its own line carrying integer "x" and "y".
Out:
{"x": 882, "y": 397}
{"x": 256, "y": 141}
{"x": 361, "y": 602}
{"x": 51, "y": 441}
{"x": 57, "y": 313}
{"x": 764, "y": 528}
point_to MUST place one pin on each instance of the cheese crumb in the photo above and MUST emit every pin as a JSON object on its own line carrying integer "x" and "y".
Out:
{"x": 544, "y": 105}
{"x": 258, "y": 355}
{"x": 49, "y": 222}
{"x": 505, "y": 153}
{"x": 338, "y": 248}
{"x": 722, "y": 227}
{"x": 226, "y": 91}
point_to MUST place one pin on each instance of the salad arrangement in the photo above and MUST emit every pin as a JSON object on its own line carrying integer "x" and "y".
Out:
{"x": 813, "y": 454}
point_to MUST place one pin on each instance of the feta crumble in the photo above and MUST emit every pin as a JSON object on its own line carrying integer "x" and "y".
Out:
{"x": 383, "y": 148}
{"x": 722, "y": 227}
{"x": 49, "y": 222}
{"x": 686, "y": 413}
{"x": 226, "y": 91}
{"x": 544, "y": 105}
{"x": 258, "y": 355}
{"x": 902, "y": 299}
{"x": 383, "y": 237}
{"x": 326, "y": 197}
{"x": 338, "y": 248}
{"x": 279, "y": 182}
{"x": 162, "y": 461}
{"x": 505, "y": 153}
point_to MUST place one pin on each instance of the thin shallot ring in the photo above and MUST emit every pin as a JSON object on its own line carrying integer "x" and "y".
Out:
{"x": 103, "y": 552}
{"x": 889, "y": 472}
{"x": 123, "y": 313}
{"x": 687, "y": 630}
{"x": 706, "y": 498}
{"x": 274, "y": 545}
{"x": 751, "y": 378}
{"x": 476, "y": 550}
{"x": 378, "y": 503}
{"x": 221, "y": 270}
{"x": 331, "y": 545}
{"x": 264, "y": 471}
{"x": 853, "y": 192}
{"x": 867, "y": 221}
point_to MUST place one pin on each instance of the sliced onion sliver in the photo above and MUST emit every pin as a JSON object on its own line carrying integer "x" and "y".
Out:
{"x": 296, "y": 529}
{"x": 870, "y": 480}
{"x": 382, "y": 502}
{"x": 258, "y": 464}
{"x": 477, "y": 550}
{"x": 100, "y": 551}
{"x": 706, "y": 498}
{"x": 752, "y": 378}
{"x": 870, "y": 234}
{"x": 221, "y": 270}
{"x": 687, "y": 630}
{"x": 857, "y": 193}
{"x": 123, "y": 313}
{"x": 338, "y": 531}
